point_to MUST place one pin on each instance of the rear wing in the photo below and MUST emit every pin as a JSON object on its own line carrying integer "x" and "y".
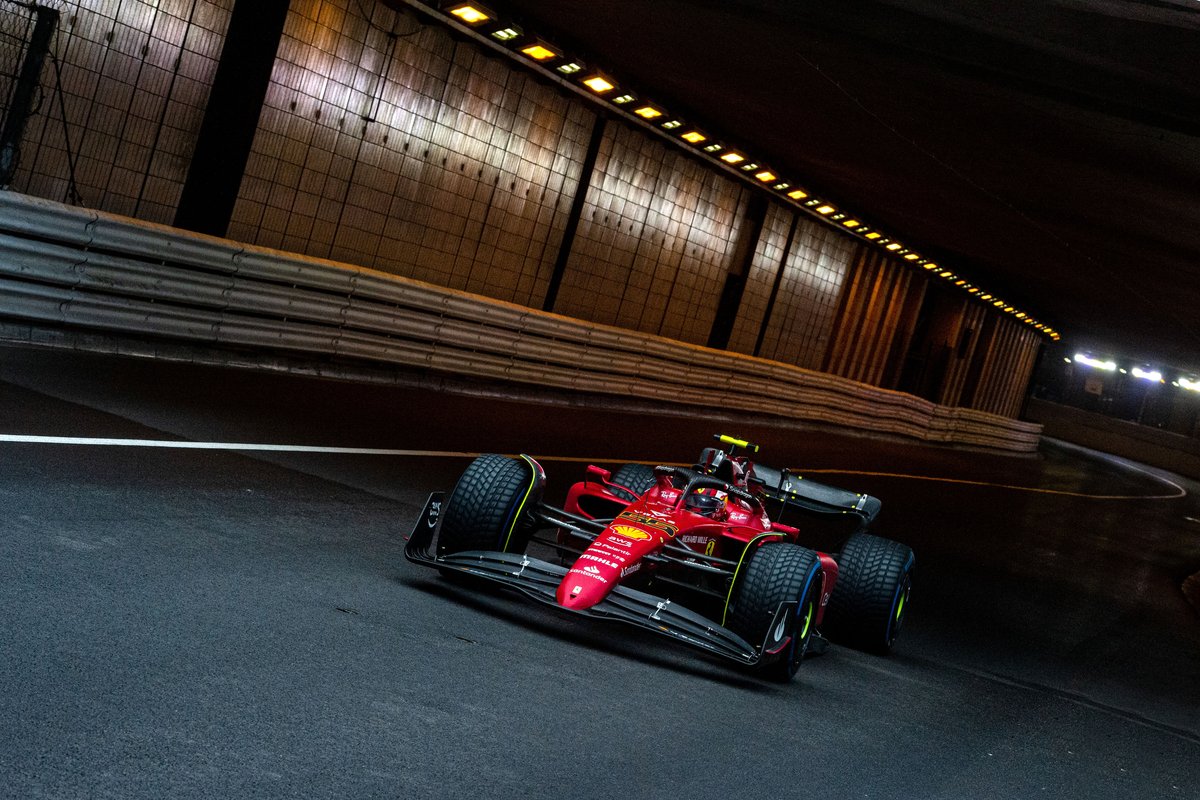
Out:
{"x": 808, "y": 495}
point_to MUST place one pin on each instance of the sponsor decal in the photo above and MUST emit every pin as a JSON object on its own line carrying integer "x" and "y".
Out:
{"x": 599, "y": 560}
{"x": 632, "y": 568}
{"x": 711, "y": 547}
{"x": 739, "y": 516}
{"x": 629, "y": 532}
{"x": 435, "y": 511}
{"x": 692, "y": 538}
{"x": 778, "y": 634}
{"x": 590, "y": 572}
{"x": 576, "y": 590}
{"x": 651, "y": 522}
{"x": 615, "y": 552}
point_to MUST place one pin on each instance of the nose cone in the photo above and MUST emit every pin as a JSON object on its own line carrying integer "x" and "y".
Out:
{"x": 584, "y": 586}
{"x": 615, "y": 553}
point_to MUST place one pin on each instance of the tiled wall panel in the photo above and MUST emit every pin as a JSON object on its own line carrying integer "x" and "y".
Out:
{"x": 802, "y": 319}
{"x": 417, "y": 155}
{"x": 765, "y": 264}
{"x": 654, "y": 240}
{"x": 135, "y": 77}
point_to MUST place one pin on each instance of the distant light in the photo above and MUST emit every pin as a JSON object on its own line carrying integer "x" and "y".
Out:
{"x": 911, "y": 257}
{"x": 985, "y": 297}
{"x": 749, "y": 167}
{"x": 960, "y": 282}
{"x": 1107, "y": 366}
{"x": 1069, "y": 361}
{"x": 672, "y": 124}
{"x": 570, "y": 68}
{"x": 1191, "y": 384}
{"x": 598, "y": 84}
{"x": 851, "y": 223}
{"x": 766, "y": 176}
{"x": 797, "y": 194}
{"x": 623, "y": 99}
{"x": 695, "y": 137}
{"x": 506, "y": 34}
{"x": 470, "y": 13}
{"x": 648, "y": 112}
{"x": 733, "y": 158}
{"x": 712, "y": 148}
{"x": 894, "y": 246}
{"x": 1147, "y": 375}
{"x": 874, "y": 235}
{"x": 779, "y": 187}
{"x": 1123, "y": 371}
{"x": 825, "y": 209}
{"x": 1021, "y": 315}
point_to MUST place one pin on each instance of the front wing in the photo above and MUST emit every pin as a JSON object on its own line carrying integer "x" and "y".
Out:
{"x": 539, "y": 580}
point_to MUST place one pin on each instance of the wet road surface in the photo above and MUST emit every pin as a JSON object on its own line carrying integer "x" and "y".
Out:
{"x": 200, "y": 623}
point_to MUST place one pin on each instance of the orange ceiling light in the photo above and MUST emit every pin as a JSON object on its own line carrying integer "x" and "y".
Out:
{"x": 470, "y": 13}
{"x": 599, "y": 84}
{"x": 733, "y": 158}
{"x": 693, "y": 137}
{"x": 766, "y": 176}
{"x": 648, "y": 112}
{"x": 797, "y": 194}
{"x": 825, "y": 209}
{"x": 540, "y": 51}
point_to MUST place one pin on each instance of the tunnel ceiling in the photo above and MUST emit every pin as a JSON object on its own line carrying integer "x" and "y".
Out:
{"x": 1048, "y": 151}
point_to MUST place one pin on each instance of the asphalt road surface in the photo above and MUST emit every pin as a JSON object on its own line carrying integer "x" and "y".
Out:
{"x": 190, "y": 622}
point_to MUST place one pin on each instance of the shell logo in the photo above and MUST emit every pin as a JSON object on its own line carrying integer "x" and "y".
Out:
{"x": 629, "y": 532}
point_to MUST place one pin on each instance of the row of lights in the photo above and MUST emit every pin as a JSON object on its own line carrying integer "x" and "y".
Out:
{"x": 1151, "y": 375}
{"x": 550, "y": 57}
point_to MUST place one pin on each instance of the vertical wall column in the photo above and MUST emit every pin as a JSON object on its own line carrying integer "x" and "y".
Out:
{"x": 21, "y": 108}
{"x": 577, "y": 202}
{"x": 231, "y": 119}
{"x": 878, "y": 306}
{"x": 1005, "y": 359}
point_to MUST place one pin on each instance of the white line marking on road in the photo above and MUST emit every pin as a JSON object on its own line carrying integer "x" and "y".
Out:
{"x": 382, "y": 451}
{"x": 181, "y": 445}
{"x": 1192, "y": 519}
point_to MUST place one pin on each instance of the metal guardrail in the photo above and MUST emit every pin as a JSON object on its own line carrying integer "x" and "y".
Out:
{"x": 68, "y": 267}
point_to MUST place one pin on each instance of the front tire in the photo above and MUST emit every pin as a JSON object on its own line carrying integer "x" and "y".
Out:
{"x": 870, "y": 598}
{"x": 487, "y": 509}
{"x": 636, "y": 478}
{"x": 776, "y": 574}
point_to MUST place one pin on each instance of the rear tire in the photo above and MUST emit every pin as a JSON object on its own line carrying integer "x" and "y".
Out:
{"x": 636, "y": 478}
{"x": 487, "y": 509}
{"x": 870, "y": 598}
{"x": 776, "y": 574}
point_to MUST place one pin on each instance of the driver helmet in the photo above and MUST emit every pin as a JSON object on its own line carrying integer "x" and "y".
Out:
{"x": 704, "y": 504}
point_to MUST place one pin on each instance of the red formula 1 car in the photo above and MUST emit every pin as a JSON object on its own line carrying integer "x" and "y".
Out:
{"x": 697, "y": 554}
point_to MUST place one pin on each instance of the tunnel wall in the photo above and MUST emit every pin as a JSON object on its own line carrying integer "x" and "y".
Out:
{"x": 389, "y": 143}
{"x": 1141, "y": 443}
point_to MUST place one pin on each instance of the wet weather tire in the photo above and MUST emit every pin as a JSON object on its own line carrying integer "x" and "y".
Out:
{"x": 487, "y": 509}
{"x": 871, "y": 595}
{"x": 637, "y": 478}
{"x": 777, "y": 573}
